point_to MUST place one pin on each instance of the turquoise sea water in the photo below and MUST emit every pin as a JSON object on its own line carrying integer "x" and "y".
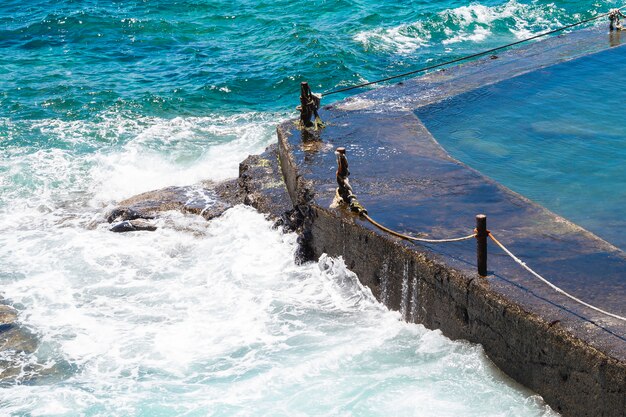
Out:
{"x": 100, "y": 100}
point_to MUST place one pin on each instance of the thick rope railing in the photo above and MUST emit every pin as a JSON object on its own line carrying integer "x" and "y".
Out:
{"x": 415, "y": 239}
{"x": 345, "y": 195}
{"x": 551, "y": 285}
{"x": 476, "y": 55}
{"x": 499, "y": 244}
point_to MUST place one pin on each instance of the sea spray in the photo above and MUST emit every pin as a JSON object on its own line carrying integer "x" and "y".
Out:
{"x": 177, "y": 321}
{"x": 100, "y": 101}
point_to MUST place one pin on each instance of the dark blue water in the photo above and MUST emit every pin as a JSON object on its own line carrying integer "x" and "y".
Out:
{"x": 101, "y": 100}
{"x": 556, "y": 136}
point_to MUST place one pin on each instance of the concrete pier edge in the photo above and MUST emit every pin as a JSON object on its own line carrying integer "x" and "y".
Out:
{"x": 579, "y": 371}
{"x": 575, "y": 359}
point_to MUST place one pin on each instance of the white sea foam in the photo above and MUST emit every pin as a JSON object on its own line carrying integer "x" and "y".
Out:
{"x": 479, "y": 34}
{"x": 402, "y": 39}
{"x": 169, "y": 323}
{"x": 202, "y": 318}
{"x": 182, "y": 151}
{"x": 472, "y": 23}
{"x": 476, "y": 22}
{"x": 118, "y": 155}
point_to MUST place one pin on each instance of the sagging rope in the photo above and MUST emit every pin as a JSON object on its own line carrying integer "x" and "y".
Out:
{"x": 551, "y": 285}
{"x": 346, "y": 195}
{"x": 412, "y": 238}
{"x": 609, "y": 14}
{"x": 508, "y": 252}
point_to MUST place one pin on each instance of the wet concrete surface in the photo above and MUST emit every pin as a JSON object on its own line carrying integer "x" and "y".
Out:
{"x": 410, "y": 184}
{"x": 435, "y": 86}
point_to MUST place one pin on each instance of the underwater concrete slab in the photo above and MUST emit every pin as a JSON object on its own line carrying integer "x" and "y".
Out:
{"x": 573, "y": 356}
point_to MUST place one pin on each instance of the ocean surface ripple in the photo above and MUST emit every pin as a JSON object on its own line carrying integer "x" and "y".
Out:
{"x": 100, "y": 100}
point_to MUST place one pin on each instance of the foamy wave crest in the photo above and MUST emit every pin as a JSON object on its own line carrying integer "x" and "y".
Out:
{"x": 403, "y": 39}
{"x": 181, "y": 151}
{"x": 343, "y": 287}
{"x": 476, "y": 22}
{"x": 117, "y": 155}
{"x": 473, "y": 23}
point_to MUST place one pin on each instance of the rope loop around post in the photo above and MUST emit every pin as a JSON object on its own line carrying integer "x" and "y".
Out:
{"x": 345, "y": 193}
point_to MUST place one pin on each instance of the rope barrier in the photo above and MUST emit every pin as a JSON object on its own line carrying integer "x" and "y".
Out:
{"x": 554, "y": 287}
{"x": 476, "y": 55}
{"x": 415, "y": 239}
{"x": 346, "y": 196}
{"x": 497, "y": 242}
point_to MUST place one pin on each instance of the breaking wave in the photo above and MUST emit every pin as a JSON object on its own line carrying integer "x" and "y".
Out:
{"x": 474, "y": 23}
{"x": 115, "y": 156}
{"x": 225, "y": 323}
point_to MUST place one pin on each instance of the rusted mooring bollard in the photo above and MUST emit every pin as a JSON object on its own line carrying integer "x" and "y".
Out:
{"x": 309, "y": 104}
{"x": 344, "y": 191}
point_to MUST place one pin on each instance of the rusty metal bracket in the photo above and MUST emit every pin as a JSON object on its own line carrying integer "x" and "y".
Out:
{"x": 614, "y": 18}
{"x": 309, "y": 105}
{"x": 344, "y": 191}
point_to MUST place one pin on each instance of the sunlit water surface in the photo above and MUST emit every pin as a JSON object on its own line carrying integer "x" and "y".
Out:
{"x": 100, "y": 100}
{"x": 555, "y": 136}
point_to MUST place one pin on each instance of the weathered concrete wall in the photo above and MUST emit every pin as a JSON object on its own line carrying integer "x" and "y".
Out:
{"x": 573, "y": 377}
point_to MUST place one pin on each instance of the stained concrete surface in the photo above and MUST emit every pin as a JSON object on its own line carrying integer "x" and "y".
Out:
{"x": 408, "y": 183}
{"x": 573, "y": 356}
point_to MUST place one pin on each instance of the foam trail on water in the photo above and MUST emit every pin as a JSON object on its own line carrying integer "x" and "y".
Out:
{"x": 221, "y": 321}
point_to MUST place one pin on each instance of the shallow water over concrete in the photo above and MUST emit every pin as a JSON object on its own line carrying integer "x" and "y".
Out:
{"x": 555, "y": 136}
{"x": 410, "y": 184}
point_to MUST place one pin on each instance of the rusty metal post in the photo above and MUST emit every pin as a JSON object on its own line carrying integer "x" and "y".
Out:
{"x": 481, "y": 244}
{"x": 309, "y": 105}
{"x": 614, "y": 18}
{"x": 305, "y": 107}
{"x": 345, "y": 189}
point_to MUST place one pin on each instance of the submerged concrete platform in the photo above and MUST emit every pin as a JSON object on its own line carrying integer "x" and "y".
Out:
{"x": 573, "y": 356}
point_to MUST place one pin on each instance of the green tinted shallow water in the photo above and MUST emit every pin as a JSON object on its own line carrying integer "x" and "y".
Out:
{"x": 100, "y": 100}
{"x": 556, "y": 136}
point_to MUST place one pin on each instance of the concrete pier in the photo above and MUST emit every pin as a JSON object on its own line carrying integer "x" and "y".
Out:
{"x": 573, "y": 356}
